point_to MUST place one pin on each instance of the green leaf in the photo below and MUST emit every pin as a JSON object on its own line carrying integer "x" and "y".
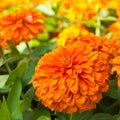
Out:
{"x": 50, "y": 28}
{"x": 43, "y": 37}
{"x": 113, "y": 89}
{"x": 117, "y": 116}
{"x": 46, "y": 9}
{"x": 50, "y": 20}
{"x": 61, "y": 116}
{"x": 82, "y": 116}
{"x": 26, "y": 102}
{"x": 29, "y": 71}
{"x": 102, "y": 116}
{"x": 41, "y": 113}
{"x": 4, "y": 111}
{"x": 43, "y": 49}
{"x": 3, "y": 88}
{"x": 13, "y": 58}
{"x": 28, "y": 115}
{"x": 17, "y": 73}
{"x": 13, "y": 100}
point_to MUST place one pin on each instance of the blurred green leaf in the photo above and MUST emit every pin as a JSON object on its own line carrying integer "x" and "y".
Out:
{"x": 82, "y": 116}
{"x": 46, "y": 9}
{"x": 102, "y": 116}
{"x": 61, "y": 116}
{"x": 3, "y": 79}
{"x": 13, "y": 58}
{"x": 89, "y": 23}
{"x": 43, "y": 49}
{"x": 43, "y": 37}
{"x": 28, "y": 115}
{"x": 50, "y": 28}
{"x": 41, "y": 113}
{"x": 4, "y": 111}
{"x": 50, "y": 20}
{"x": 113, "y": 89}
{"x": 117, "y": 116}
{"x": 109, "y": 18}
{"x": 17, "y": 73}
{"x": 13, "y": 100}
{"x": 29, "y": 71}
{"x": 26, "y": 102}
{"x": 3, "y": 88}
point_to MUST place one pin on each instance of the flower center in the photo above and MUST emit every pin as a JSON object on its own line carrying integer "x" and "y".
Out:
{"x": 29, "y": 18}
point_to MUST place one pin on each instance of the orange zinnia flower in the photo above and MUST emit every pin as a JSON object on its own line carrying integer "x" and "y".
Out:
{"x": 71, "y": 78}
{"x": 108, "y": 48}
{"x": 21, "y": 25}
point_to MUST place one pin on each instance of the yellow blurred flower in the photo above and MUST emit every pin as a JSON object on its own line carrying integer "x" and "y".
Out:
{"x": 50, "y": 2}
{"x": 70, "y": 33}
{"x": 77, "y": 9}
{"x": 86, "y": 9}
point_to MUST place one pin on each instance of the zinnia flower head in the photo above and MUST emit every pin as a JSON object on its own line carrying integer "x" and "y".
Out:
{"x": 71, "y": 78}
{"x": 21, "y": 25}
{"x": 108, "y": 48}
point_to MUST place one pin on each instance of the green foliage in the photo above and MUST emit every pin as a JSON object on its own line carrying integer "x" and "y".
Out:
{"x": 4, "y": 111}
{"x": 13, "y": 100}
{"x": 41, "y": 113}
{"x": 101, "y": 116}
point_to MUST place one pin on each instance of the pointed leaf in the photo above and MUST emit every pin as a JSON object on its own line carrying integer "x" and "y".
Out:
{"x": 4, "y": 112}
{"x": 13, "y": 100}
{"x": 17, "y": 73}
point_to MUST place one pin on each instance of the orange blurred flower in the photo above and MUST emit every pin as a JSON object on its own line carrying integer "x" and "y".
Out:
{"x": 116, "y": 68}
{"x": 21, "y": 25}
{"x": 5, "y": 4}
{"x": 3, "y": 44}
{"x": 114, "y": 29}
{"x": 71, "y": 78}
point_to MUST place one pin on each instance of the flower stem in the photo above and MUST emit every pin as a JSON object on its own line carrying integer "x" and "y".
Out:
{"x": 4, "y": 58}
{"x": 97, "y": 31}
{"x": 71, "y": 116}
{"x": 28, "y": 47}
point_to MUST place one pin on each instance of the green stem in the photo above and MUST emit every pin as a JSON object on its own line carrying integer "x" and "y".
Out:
{"x": 28, "y": 47}
{"x": 71, "y": 116}
{"x": 4, "y": 58}
{"x": 97, "y": 31}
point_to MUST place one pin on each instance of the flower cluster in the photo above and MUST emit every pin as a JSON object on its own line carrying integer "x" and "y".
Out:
{"x": 78, "y": 45}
